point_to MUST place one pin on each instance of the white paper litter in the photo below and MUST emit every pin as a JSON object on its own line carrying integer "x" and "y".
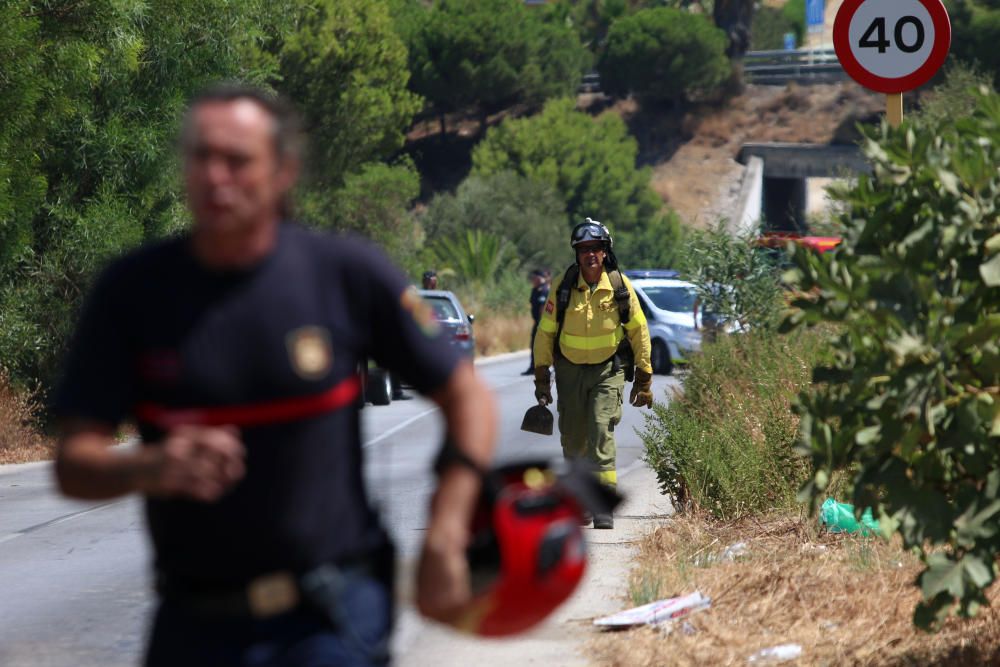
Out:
{"x": 775, "y": 654}
{"x": 656, "y": 612}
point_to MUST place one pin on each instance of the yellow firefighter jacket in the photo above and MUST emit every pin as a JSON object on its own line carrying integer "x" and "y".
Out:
{"x": 592, "y": 329}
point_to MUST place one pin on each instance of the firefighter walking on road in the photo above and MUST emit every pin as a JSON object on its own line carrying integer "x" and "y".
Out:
{"x": 594, "y": 333}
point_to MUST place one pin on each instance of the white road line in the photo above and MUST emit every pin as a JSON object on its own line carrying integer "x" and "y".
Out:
{"x": 633, "y": 466}
{"x": 399, "y": 427}
{"x": 56, "y": 522}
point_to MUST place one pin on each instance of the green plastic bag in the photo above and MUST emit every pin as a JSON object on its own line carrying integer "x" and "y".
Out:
{"x": 839, "y": 518}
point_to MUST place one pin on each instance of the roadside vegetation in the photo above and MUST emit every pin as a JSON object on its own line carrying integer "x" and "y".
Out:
{"x": 20, "y": 438}
{"x": 846, "y": 600}
{"x": 879, "y": 388}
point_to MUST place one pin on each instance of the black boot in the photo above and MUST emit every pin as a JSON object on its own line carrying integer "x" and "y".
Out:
{"x": 604, "y": 521}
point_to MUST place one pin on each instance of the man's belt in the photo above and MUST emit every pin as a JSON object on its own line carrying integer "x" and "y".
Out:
{"x": 253, "y": 414}
{"x": 264, "y": 596}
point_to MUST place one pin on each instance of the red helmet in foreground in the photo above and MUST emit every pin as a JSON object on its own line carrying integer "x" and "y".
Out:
{"x": 528, "y": 552}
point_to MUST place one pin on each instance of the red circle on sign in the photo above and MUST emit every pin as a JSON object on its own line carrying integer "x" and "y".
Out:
{"x": 881, "y": 84}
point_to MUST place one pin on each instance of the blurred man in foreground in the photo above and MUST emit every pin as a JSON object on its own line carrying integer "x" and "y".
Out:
{"x": 234, "y": 349}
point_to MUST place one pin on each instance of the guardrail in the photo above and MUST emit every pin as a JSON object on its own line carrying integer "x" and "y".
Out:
{"x": 591, "y": 83}
{"x": 777, "y": 68}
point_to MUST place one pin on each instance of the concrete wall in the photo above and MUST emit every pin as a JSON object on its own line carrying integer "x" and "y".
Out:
{"x": 750, "y": 206}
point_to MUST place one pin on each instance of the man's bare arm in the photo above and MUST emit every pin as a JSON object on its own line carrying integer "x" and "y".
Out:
{"x": 196, "y": 462}
{"x": 471, "y": 416}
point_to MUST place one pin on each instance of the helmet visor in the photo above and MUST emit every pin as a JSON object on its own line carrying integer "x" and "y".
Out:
{"x": 588, "y": 232}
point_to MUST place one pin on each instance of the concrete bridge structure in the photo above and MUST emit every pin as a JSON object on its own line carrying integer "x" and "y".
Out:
{"x": 775, "y": 181}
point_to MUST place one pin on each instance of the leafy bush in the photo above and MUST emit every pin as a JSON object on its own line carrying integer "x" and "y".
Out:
{"x": 664, "y": 55}
{"x": 489, "y": 54}
{"x": 912, "y": 396}
{"x": 955, "y": 96}
{"x": 725, "y": 443}
{"x": 589, "y": 161}
{"x": 658, "y": 244}
{"x": 975, "y": 33}
{"x": 529, "y": 214}
{"x": 374, "y": 202}
{"x": 473, "y": 256}
{"x": 734, "y": 280}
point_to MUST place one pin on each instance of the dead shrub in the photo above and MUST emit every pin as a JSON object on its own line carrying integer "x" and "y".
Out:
{"x": 846, "y": 600}
{"x": 20, "y": 438}
{"x": 498, "y": 333}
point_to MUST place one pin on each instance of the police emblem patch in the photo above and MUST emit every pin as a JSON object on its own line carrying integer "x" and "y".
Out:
{"x": 310, "y": 352}
{"x": 420, "y": 310}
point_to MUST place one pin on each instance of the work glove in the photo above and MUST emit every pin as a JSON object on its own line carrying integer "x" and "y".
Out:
{"x": 543, "y": 385}
{"x": 642, "y": 389}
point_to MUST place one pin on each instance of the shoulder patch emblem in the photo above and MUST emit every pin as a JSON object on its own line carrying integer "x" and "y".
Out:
{"x": 549, "y": 307}
{"x": 310, "y": 352}
{"x": 420, "y": 311}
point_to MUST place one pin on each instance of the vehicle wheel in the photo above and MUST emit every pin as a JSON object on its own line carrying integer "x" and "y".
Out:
{"x": 379, "y": 386}
{"x": 660, "y": 358}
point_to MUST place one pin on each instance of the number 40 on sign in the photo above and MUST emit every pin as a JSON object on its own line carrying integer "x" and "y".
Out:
{"x": 892, "y": 46}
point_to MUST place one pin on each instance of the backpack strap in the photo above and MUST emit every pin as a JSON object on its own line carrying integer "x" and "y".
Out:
{"x": 570, "y": 278}
{"x": 622, "y": 297}
{"x": 563, "y": 294}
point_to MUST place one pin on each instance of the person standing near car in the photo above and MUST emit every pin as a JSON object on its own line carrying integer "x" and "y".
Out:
{"x": 234, "y": 348}
{"x": 539, "y": 295}
{"x": 429, "y": 280}
{"x": 593, "y": 331}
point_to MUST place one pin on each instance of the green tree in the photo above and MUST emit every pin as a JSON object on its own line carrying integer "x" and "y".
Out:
{"x": 591, "y": 162}
{"x": 975, "y": 32}
{"x": 373, "y": 202}
{"x": 100, "y": 86}
{"x": 528, "y": 214}
{"x": 909, "y": 408}
{"x": 345, "y": 67}
{"x": 664, "y": 55}
{"x": 487, "y": 55}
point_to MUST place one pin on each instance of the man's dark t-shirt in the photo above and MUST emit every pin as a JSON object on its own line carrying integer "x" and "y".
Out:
{"x": 161, "y": 335}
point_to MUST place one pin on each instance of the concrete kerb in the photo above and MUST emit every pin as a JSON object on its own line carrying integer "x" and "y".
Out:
{"x": 500, "y": 358}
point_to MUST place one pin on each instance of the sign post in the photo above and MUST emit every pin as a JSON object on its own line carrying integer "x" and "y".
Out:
{"x": 815, "y": 15}
{"x": 892, "y": 46}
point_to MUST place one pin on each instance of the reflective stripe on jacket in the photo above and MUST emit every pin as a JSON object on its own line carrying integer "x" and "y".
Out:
{"x": 592, "y": 329}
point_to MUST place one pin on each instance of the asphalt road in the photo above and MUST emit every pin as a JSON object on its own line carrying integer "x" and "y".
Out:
{"x": 74, "y": 577}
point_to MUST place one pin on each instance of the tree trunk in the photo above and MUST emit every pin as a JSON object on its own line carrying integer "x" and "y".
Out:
{"x": 735, "y": 17}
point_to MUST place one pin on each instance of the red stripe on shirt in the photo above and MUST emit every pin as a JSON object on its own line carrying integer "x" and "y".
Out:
{"x": 254, "y": 414}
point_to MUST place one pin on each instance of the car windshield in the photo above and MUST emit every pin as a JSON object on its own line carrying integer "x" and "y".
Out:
{"x": 443, "y": 308}
{"x": 676, "y": 299}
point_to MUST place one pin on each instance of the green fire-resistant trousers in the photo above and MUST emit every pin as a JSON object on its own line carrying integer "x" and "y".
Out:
{"x": 590, "y": 406}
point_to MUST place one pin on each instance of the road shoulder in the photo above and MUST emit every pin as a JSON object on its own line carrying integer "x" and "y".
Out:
{"x": 560, "y": 640}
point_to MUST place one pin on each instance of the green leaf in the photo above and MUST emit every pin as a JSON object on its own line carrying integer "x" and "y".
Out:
{"x": 980, "y": 573}
{"x": 990, "y": 272}
{"x": 943, "y": 575}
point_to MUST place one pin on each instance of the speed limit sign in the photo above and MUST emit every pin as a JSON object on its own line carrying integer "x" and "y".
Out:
{"x": 892, "y": 46}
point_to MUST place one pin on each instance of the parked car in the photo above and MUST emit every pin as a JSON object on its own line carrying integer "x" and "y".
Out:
{"x": 456, "y": 323}
{"x": 668, "y": 304}
{"x": 381, "y": 387}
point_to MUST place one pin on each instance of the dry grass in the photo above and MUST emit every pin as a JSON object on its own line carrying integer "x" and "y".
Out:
{"x": 846, "y": 600}
{"x": 20, "y": 441}
{"x": 496, "y": 333}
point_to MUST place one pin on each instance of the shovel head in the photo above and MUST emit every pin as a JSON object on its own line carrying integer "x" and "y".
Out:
{"x": 537, "y": 420}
